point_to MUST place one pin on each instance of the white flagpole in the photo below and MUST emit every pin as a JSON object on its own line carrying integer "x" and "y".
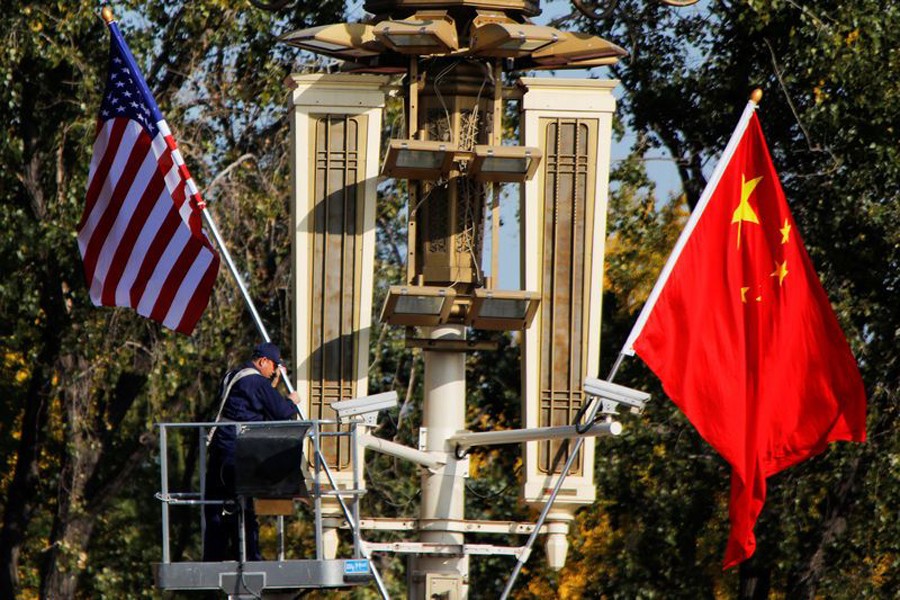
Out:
{"x": 246, "y": 294}
{"x": 627, "y": 348}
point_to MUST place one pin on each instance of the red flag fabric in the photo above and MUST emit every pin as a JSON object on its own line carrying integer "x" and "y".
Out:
{"x": 140, "y": 234}
{"x": 745, "y": 341}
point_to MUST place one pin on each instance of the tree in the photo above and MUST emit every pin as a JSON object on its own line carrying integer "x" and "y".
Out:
{"x": 87, "y": 384}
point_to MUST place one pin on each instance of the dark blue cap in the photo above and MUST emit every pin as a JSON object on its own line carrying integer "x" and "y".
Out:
{"x": 268, "y": 350}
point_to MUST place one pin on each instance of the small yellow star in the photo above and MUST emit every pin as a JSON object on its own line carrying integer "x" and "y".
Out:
{"x": 785, "y": 232}
{"x": 780, "y": 272}
{"x": 744, "y": 291}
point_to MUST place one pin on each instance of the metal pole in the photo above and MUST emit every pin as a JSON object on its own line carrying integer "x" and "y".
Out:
{"x": 246, "y": 294}
{"x": 526, "y": 551}
{"x": 354, "y": 461}
{"x": 464, "y": 441}
{"x": 354, "y": 528}
{"x": 443, "y": 490}
{"x": 318, "y": 461}
{"x": 164, "y": 485}
{"x": 423, "y": 459}
{"x": 201, "y": 446}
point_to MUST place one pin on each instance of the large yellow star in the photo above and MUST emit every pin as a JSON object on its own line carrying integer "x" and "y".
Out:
{"x": 744, "y": 212}
{"x": 785, "y": 232}
{"x": 780, "y": 271}
{"x": 744, "y": 291}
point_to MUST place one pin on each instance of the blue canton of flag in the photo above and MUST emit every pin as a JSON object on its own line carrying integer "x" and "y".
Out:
{"x": 123, "y": 96}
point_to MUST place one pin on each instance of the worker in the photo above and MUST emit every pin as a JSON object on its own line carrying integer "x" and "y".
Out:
{"x": 246, "y": 393}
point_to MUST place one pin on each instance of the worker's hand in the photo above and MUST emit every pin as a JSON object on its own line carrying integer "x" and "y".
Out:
{"x": 294, "y": 397}
{"x": 276, "y": 374}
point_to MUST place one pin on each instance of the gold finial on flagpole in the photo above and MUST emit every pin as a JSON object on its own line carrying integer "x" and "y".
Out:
{"x": 756, "y": 96}
{"x": 107, "y": 14}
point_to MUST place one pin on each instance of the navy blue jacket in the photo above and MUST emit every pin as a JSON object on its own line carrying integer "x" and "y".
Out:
{"x": 252, "y": 398}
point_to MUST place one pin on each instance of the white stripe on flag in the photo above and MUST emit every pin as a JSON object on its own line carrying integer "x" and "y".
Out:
{"x": 141, "y": 247}
{"x": 143, "y": 177}
{"x": 100, "y": 144}
{"x": 129, "y": 137}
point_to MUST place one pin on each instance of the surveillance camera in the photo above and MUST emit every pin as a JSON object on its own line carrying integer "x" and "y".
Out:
{"x": 365, "y": 409}
{"x": 612, "y": 394}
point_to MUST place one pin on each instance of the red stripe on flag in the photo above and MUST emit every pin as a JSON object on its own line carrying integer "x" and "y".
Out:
{"x": 174, "y": 279}
{"x": 126, "y": 180}
{"x": 200, "y": 299}
{"x": 166, "y": 230}
{"x": 136, "y": 224}
{"x": 102, "y": 172}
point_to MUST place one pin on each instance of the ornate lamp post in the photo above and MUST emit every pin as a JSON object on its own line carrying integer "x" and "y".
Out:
{"x": 453, "y": 55}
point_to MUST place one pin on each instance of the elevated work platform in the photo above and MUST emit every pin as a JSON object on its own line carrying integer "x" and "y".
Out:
{"x": 262, "y": 578}
{"x": 271, "y": 579}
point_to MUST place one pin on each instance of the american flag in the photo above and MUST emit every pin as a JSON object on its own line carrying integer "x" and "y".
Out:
{"x": 140, "y": 234}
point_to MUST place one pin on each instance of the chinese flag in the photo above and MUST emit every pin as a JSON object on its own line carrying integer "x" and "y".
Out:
{"x": 744, "y": 338}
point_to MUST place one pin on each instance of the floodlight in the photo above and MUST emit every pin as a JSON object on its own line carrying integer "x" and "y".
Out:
{"x": 612, "y": 394}
{"x": 417, "y": 305}
{"x": 502, "y": 310}
{"x": 426, "y": 32}
{"x": 418, "y": 159}
{"x": 578, "y": 64}
{"x": 511, "y": 40}
{"x": 577, "y": 47}
{"x": 364, "y": 409}
{"x": 505, "y": 163}
{"x": 342, "y": 40}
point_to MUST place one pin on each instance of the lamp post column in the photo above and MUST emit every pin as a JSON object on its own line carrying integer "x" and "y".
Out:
{"x": 443, "y": 491}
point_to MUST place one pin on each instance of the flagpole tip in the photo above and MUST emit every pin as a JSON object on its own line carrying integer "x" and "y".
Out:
{"x": 107, "y": 14}
{"x": 756, "y": 96}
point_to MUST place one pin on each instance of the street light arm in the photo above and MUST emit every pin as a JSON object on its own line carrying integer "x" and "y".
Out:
{"x": 271, "y": 6}
{"x": 592, "y": 11}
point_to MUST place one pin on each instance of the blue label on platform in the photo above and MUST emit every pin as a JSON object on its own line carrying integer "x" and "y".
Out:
{"x": 356, "y": 567}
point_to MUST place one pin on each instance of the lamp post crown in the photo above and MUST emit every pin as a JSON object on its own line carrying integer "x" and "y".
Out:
{"x": 528, "y": 8}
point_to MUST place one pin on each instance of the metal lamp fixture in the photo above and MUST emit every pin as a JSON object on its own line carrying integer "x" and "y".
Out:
{"x": 341, "y": 40}
{"x": 511, "y": 40}
{"x": 426, "y": 32}
{"x": 505, "y": 163}
{"x": 419, "y": 159}
{"x": 501, "y": 310}
{"x": 575, "y": 48}
{"x": 417, "y": 306}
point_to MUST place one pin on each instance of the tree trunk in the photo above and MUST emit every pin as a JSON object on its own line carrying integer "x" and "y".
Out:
{"x": 755, "y": 581}
{"x": 72, "y": 524}
{"x": 804, "y": 582}
{"x": 22, "y": 497}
